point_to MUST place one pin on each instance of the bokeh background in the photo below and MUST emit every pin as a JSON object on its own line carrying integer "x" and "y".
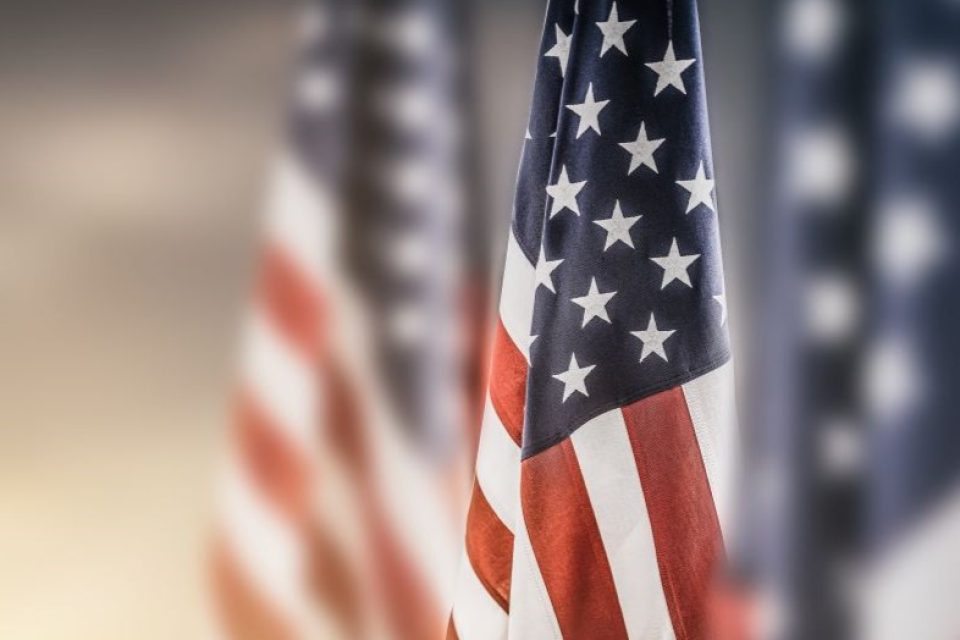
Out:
{"x": 136, "y": 139}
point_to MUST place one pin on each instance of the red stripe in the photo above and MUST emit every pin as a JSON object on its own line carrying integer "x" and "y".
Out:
{"x": 566, "y": 541}
{"x": 452, "y": 630}
{"x": 489, "y": 547}
{"x": 278, "y": 469}
{"x": 244, "y": 612}
{"x": 508, "y": 382}
{"x": 292, "y": 302}
{"x": 334, "y": 582}
{"x": 682, "y": 514}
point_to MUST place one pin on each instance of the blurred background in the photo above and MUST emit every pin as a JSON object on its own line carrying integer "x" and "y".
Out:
{"x": 137, "y": 139}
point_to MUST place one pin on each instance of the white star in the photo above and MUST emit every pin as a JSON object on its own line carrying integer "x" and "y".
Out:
{"x": 314, "y": 24}
{"x": 564, "y": 194}
{"x": 821, "y": 164}
{"x": 414, "y": 32}
{"x": 561, "y": 50}
{"x": 574, "y": 379}
{"x": 618, "y": 227}
{"x": 589, "y": 112}
{"x": 409, "y": 106}
{"x": 319, "y": 91}
{"x": 675, "y": 266}
{"x": 545, "y": 269}
{"x": 701, "y": 190}
{"x": 594, "y": 304}
{"x": 409, "y": 253}
{"x": 909, "y": 240}
{"x": 926, "y": 99}
{"x": 411, "y": 180}
{"x": 833, "y": 308}
{"x": 841, "y": 446}
{"x": 613, "y": 30}
{"x": 721, "y": 299}
{"x": 669, "y": 71}
{"x": 812, "y": 28}
{"x": 653, "y": 340}
{"x": 641, "y": 150}
{"x": 407, "y": 324}
{"x": 892, "y": 379}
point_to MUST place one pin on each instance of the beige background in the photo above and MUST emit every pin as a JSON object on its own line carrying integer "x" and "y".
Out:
{"x": 132, "y": 156}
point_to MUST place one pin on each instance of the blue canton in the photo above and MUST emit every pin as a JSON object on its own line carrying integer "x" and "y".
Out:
{"x": 620, "y": 138}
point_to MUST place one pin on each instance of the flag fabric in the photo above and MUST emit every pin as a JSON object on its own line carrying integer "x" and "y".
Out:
{"x": 347, "y": 473}
{"x": 912, "y": 461}
{"x": 808, "y": 427}
{"x": 857, "y": 448}
{"x": 603, "y": 479}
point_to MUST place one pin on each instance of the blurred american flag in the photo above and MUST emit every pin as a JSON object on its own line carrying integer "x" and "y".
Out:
{"x": 856, "y": 445}
{"x": 344, "y": 489}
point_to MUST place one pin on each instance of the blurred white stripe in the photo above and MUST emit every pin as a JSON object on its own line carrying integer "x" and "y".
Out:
{"x": 911, "y": 592}
{"x": 301, "y": 219}
{"x": 282, "y": 381}
{"x": 264, "y": 545}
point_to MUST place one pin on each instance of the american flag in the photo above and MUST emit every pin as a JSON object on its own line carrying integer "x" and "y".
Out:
{"x": 602, "y": 490}
{"x": 346, "y": 482}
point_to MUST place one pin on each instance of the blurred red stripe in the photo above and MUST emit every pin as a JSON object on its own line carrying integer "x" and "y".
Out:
{"x": 279, "y": 469}
{"x": 293, "y": 303}
{"x": 335, "y": 582}
{"x": 244, "y": 611}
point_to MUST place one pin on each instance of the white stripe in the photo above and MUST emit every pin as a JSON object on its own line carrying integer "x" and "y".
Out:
{"x": 264, "y": 545}
{"x": 517, "y": 296}
{"x": 281, "y": 380}
{"x": 302, "y": 218}
{"x": 911, "y": 587}
{"x": 476, "y": 615}
{"x": 531, "y": 612}
{"x": 613, "y": 485}
{"x": 711, "y": 400}
{"x": 498, "y": 467}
